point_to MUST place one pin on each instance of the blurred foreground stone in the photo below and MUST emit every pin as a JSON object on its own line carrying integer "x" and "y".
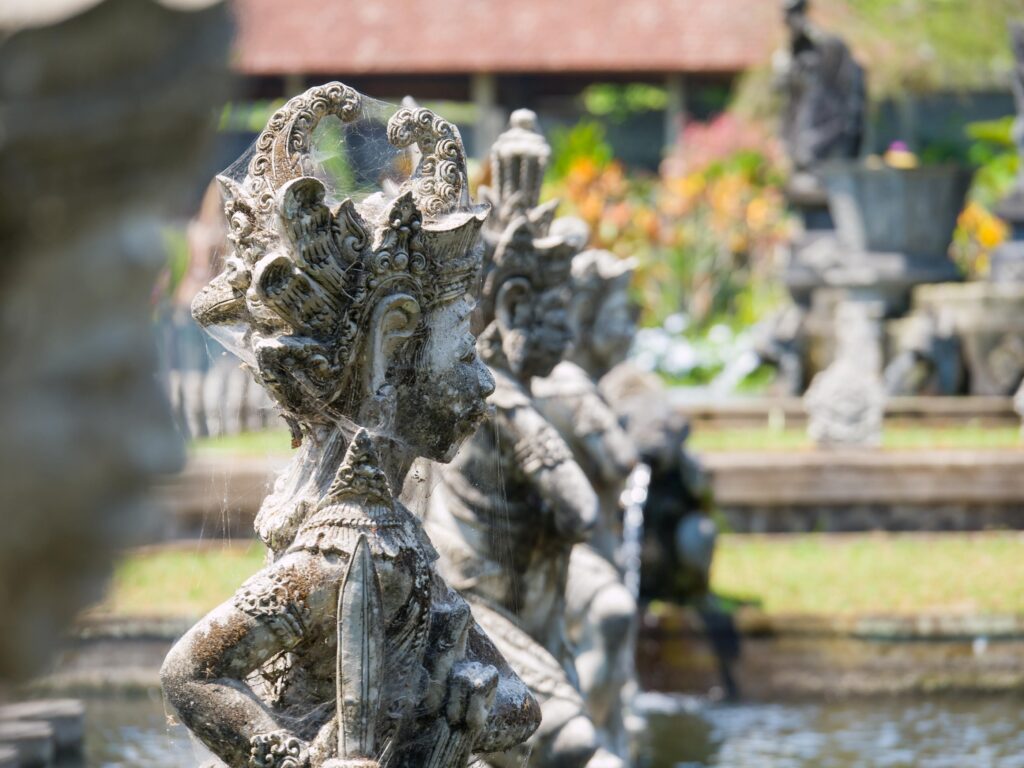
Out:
{"x": 104, "y": 112}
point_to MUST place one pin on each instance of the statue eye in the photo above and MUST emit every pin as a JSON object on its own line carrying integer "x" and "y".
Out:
{"x": 469, "y": 350}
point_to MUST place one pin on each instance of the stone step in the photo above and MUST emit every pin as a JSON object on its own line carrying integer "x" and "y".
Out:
{"x": 65, "y": 716}
{"x": 32, "y": 741}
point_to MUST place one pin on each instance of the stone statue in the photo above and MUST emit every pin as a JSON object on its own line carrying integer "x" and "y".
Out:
{"x": 348, "y": 649}
{"x": 1007, "y": 261}
{"x": 106, "y": 113}
{"x": 601, "y": 611}
{"x": 603, "y": 324}
{"x": 678, "y": 536}
{"x": 846, "y": 402}
{"x": 824, "y": 92}
{"x": 1017, "y": 40}
{"x": 927, "y": 359}
{"x": 514, "y": 502}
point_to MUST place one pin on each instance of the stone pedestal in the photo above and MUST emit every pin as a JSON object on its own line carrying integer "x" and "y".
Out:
{"x": 988, "y": 318}
{"x": 65, "y": 716}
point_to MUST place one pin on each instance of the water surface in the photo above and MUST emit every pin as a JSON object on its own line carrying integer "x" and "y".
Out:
{"x": 135, "y": 732}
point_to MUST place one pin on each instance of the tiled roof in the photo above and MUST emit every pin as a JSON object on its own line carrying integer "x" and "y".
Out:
{"x": 333, "y": 37}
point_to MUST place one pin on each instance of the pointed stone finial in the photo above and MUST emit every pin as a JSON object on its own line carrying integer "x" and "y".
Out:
{"x": 518, "y": 159}
{"x": 360, "y": 476}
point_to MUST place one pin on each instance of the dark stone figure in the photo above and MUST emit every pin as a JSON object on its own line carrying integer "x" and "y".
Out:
{"x": 1008, "y": 259}
{"x": 1017, "y": 40}
{"x": 824, "y": 90}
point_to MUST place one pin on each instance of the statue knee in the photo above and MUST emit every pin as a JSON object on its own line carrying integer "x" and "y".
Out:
{"x": 614, "y": 611}
{"x": 575, "y": 743}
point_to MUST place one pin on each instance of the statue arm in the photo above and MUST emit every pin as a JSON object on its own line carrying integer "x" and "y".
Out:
{"x": 548, "y": 464}
{"x": 204, "y": 674}
{"x": 499, "y": 708}
{"x": 608, "y": 447}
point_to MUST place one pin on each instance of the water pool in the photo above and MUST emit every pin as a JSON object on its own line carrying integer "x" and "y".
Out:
{"x": 134, "y": 732}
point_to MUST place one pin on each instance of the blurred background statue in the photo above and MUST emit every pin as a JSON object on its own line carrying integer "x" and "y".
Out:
{"x": 846, "y": 402}
{"x": 602, "y": 612}
{"x": 514, "y": 502}
{"x": 823, "y": 88}
{"x": 1008, "y": 259}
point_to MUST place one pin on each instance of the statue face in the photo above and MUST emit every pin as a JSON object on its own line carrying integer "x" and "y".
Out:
{"x": 446, "y": 399}
{"x": 536, "y": 332}
{"x": 614, "y": 328}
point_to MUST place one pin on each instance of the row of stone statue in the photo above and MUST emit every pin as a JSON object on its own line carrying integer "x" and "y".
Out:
{"x": 491, "y": 623}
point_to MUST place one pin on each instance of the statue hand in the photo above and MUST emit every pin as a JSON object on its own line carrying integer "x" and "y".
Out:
{"x": 325, "y": 745}
{"x": 471, "y": 690}
{"x": 278, "y": 749}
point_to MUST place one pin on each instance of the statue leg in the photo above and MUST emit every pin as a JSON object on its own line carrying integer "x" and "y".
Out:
{"x": 602, "y": 618}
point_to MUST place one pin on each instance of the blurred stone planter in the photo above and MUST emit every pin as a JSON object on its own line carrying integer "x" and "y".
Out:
{"x": 892, "y": 232}
{"x": 886, "y": 210}
{"x": 988, "y": 318}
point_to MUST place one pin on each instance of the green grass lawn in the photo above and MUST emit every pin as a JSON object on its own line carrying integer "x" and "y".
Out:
{"x": 702, "y": 440}
{"x": 810, "y": 574}
{"x": 893, "y": 438}
{"x": 246, "y": 444}
{"x": 871, "y": 574}
{"x": 180, "y": 581}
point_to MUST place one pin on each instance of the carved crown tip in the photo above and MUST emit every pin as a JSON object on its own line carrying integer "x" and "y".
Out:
{"x": 524, "y": 119}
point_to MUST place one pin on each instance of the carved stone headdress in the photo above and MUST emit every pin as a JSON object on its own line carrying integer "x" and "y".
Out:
{"x": 307, "y": 272}
{"x": 519, "y": 238}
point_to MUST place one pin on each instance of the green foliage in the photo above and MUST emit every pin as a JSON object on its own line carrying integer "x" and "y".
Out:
{"x": 620, "y": 101}
{"x": 176, "y": 246}
{"x": 994, "y": 154}
{"x": 585, "y": 141}
{"x": 919, "y": 45}
{"x": 248, "y": 117}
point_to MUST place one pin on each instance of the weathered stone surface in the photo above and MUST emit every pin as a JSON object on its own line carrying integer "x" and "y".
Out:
{"x": 821, "y": 656}
{"x": 925, "y": 356}
{"x": 816, "y": 478}
{"x": 106, "y": 109}
{"x": 348, "y": 648}
{"x": 782, "y": 412}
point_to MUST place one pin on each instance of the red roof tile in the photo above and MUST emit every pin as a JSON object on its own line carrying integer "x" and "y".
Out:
{"x": 280, "y": 37}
